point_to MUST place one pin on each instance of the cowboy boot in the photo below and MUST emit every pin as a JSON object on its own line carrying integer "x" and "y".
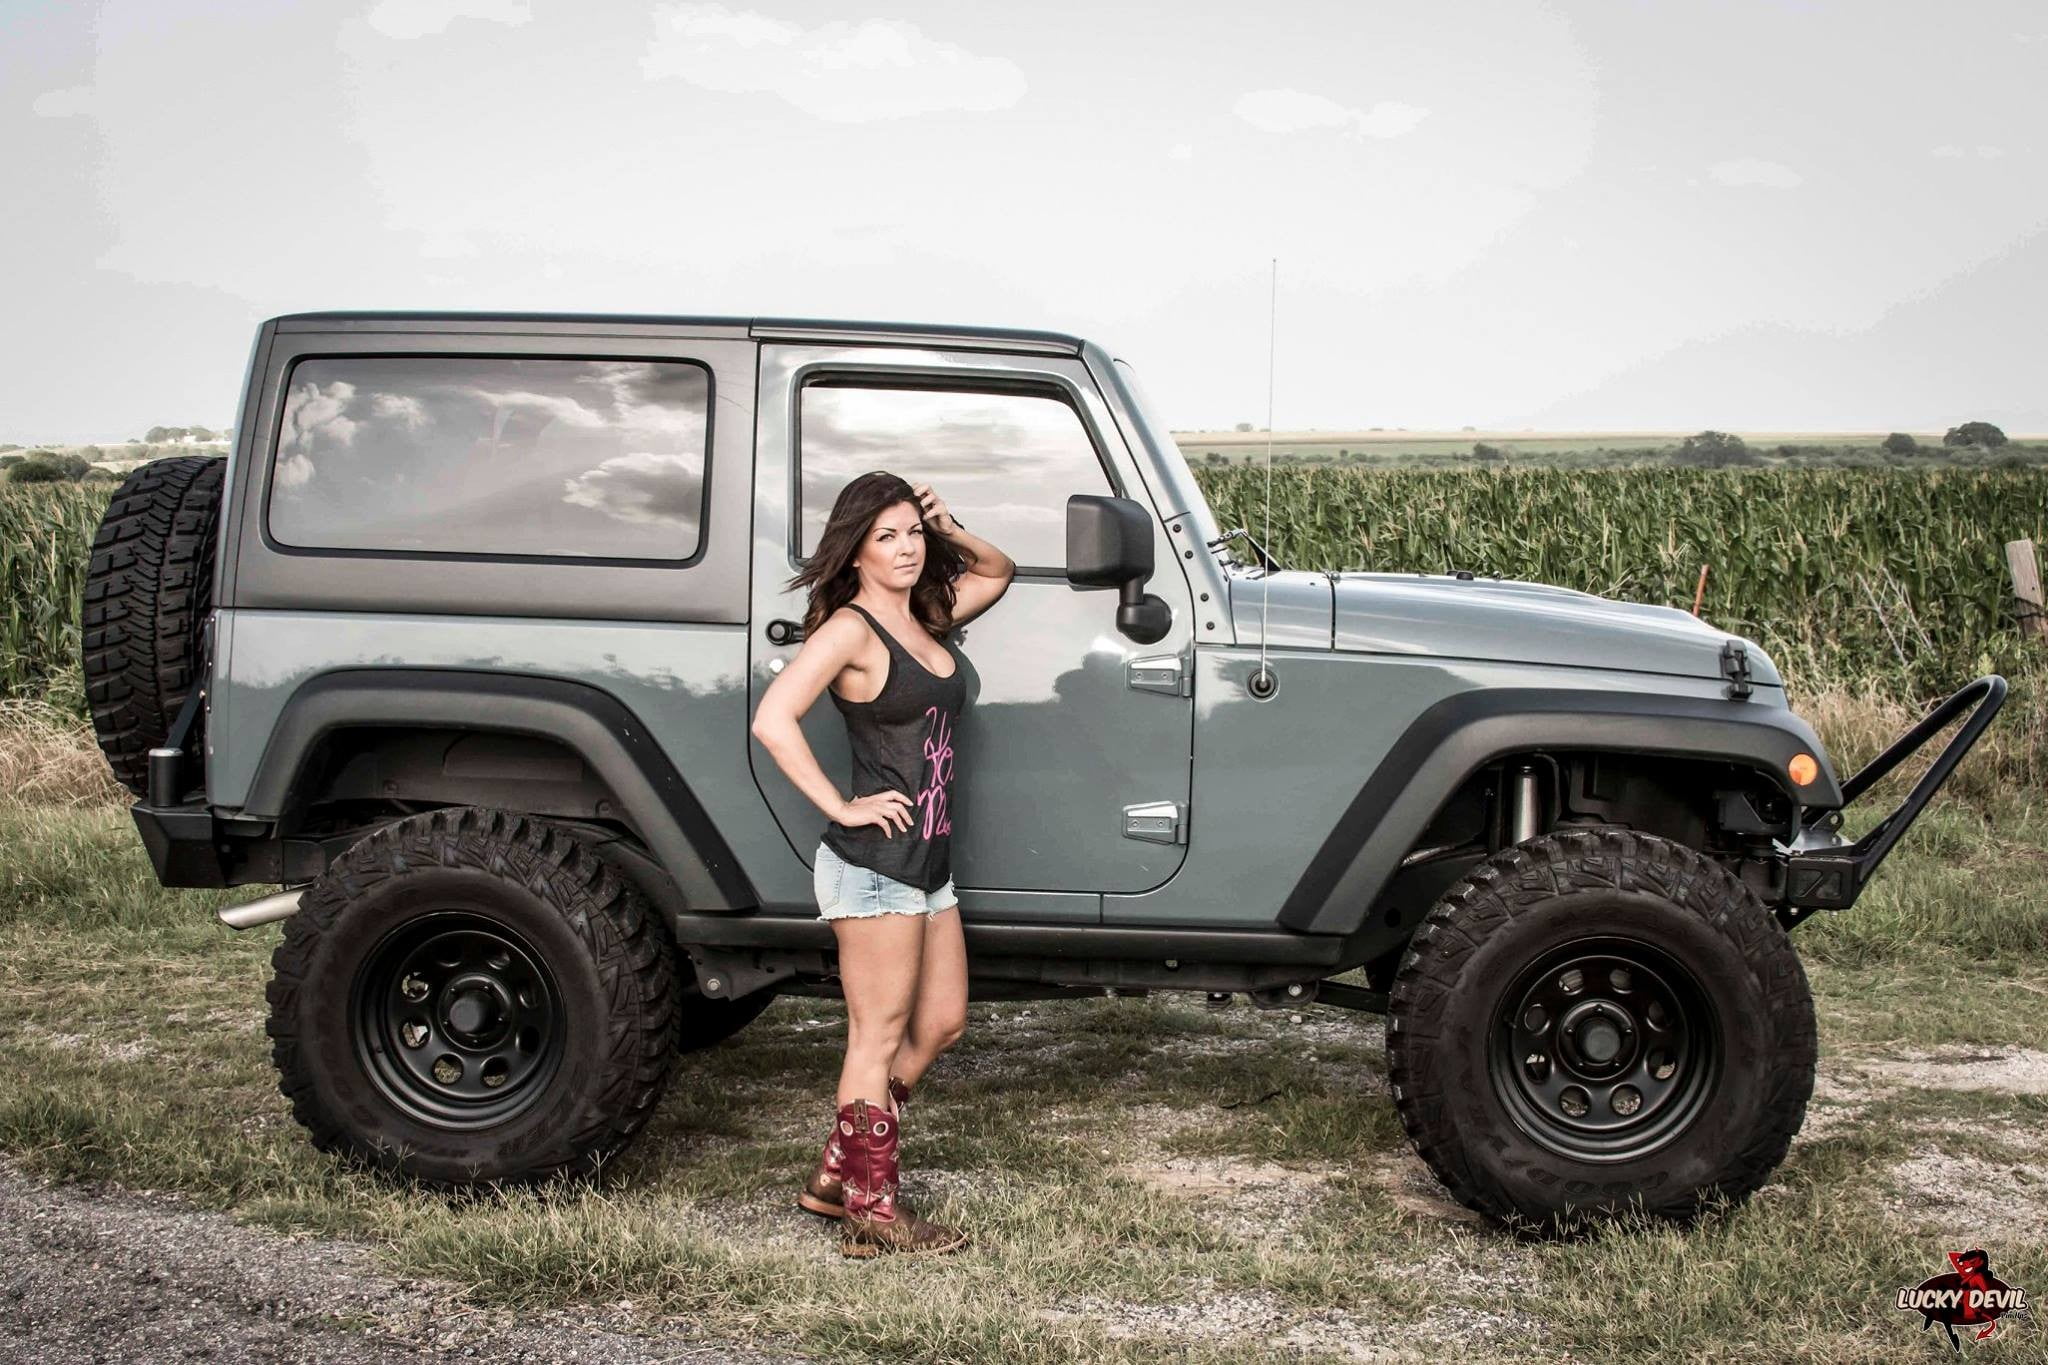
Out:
{"x": 875, "y": 1221}
{"x": 822, "y": 1192}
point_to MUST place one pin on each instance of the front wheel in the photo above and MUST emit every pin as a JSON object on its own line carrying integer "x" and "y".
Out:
{"x": 1600, "y": 1020}
{"x": 471, "y": 995}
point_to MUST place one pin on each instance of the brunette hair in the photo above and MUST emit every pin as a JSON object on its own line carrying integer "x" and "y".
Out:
{"x": 829, "y": 572}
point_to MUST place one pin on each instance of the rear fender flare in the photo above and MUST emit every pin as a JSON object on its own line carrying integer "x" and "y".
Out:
{"x": 593, "y": 723}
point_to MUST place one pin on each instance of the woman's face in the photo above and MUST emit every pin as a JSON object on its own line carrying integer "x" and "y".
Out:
{"x": 892, "y": 554}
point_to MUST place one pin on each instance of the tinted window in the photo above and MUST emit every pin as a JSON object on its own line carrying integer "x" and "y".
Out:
{"x": 1004, "y": 462}
{"x": 483, "y": 454}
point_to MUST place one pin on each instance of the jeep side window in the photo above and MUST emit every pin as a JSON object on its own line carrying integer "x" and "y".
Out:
{"x": 1004, "y": 461}
{"x": 497, "y": 455}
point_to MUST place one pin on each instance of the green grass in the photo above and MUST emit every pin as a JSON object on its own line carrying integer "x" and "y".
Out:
{"x": 132, "y": 1045}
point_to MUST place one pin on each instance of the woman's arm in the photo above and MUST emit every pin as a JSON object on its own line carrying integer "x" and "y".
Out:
{"x": 836, "y": 644}
{"x": 989, "y": 570}
{"x": 986, "y": 561}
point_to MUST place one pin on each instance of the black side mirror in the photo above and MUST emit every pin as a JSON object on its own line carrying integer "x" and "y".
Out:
{"x": 1109, "y": 545}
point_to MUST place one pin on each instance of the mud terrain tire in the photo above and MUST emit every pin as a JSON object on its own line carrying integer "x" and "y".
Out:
{"x": 471, "y": 939}
{"x": 1680, "y": 969}
{"x": 148, "y": 589}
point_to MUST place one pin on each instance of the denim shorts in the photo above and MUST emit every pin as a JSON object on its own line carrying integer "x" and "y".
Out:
{"x": 848, "y": 891}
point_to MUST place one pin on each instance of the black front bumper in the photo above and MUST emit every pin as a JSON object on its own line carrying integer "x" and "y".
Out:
{"x": 1825, "y": 872}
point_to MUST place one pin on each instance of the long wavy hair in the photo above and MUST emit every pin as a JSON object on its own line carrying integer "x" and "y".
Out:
{"x": 829, "y": 572}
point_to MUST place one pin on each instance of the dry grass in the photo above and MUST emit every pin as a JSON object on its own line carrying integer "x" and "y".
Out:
{"x": 50, "y": 758}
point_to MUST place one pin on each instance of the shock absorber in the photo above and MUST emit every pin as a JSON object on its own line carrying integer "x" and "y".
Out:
{"x": 1525, "y": 804}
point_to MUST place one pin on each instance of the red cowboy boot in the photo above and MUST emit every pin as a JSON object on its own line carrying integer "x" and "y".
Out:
{"x": 822, "y": 1192}
{"x": 875, "y": 1221}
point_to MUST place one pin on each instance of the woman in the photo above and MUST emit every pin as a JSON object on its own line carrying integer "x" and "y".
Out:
{"x": 893, "y": 574}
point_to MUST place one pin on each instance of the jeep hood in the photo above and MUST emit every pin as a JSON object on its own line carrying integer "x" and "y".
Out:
{"x": 1482, "y": 618}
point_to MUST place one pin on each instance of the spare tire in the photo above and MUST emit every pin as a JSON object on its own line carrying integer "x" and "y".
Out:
{"x": 148, "y": 590}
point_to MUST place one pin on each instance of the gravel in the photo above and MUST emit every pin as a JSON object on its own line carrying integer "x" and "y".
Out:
{"x": 108, "y": 1275}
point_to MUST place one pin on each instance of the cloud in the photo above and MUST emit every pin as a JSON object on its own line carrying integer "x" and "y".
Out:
{"x": 1292, "y": 111}
{"x": 1950, "y": 150}
{"x": 66, "y": 103}
{"x": 418, "y": 18}
{"x": 1180, "y": 151}
{"x": 642, "y": 486}
{"x": 842, "y": 72}
{"x": 1748, "y": 171}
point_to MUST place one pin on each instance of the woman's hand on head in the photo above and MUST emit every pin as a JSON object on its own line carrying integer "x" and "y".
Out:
{"x": 933, "y": 508}
{"x": 883, "y": 808}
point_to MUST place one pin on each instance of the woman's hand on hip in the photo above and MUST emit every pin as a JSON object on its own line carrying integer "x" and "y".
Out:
{"x": 883, "y": 808}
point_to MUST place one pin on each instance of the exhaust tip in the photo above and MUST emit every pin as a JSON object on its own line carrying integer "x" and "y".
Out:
{"x": 266, "y": 910}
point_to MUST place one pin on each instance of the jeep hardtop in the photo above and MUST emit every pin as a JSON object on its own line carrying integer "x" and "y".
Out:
{"x": 460, "y": 645}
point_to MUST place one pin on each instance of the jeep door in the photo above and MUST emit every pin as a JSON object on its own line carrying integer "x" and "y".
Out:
{"x": 1072, "y": 760}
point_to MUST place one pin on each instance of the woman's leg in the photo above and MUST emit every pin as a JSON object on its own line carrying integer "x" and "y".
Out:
{"x": 939, "y": 1014}
{"x": 879, "y": 960}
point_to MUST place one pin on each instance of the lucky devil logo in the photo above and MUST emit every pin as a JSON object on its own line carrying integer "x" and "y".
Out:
{"x": 1968, "y": 1296}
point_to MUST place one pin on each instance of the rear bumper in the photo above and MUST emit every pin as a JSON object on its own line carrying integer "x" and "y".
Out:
{"x": 189, "y": 845}
{"x": 1825, "y": 872}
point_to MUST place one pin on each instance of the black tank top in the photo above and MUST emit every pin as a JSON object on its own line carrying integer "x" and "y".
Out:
{"x": 903, "y": 740}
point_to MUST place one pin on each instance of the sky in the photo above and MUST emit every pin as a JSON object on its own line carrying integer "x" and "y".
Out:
{"x": 1593, "y": 215}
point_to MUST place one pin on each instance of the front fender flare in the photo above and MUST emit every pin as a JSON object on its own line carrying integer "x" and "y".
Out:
{"x": 1461, "y": 734}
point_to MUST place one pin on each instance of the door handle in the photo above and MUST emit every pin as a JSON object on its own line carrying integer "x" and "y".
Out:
{"x": 782, "y": 631}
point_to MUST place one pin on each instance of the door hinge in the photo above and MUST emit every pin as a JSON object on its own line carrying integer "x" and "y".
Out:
{"x": 1172, "y": 674}
{"x": 1160, "y": 822}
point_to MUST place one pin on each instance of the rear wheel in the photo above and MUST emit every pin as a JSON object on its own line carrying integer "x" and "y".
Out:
{"x": 1594, "y": 1021}
{"x": 470, "y": 995}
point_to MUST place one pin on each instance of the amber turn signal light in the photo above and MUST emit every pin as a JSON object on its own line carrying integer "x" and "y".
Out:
{"x": 1803, "y": 769}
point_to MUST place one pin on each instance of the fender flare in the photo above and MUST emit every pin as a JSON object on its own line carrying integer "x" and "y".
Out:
{"x": 1461, "y": 734}
{"x": 591, "y": 722}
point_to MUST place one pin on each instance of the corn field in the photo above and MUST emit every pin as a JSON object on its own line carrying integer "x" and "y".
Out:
{"x": 1843, "y": 575}
{"x": 1846, "y": 576}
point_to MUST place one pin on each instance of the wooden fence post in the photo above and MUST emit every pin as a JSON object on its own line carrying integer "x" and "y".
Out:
{"x": 2026, "y": 587}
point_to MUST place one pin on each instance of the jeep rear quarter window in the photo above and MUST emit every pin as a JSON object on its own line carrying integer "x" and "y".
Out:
{"x": 492, "y": 454}
{"x": 1004, "y": 461}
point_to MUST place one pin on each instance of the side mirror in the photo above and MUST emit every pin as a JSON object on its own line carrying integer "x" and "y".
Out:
{"x": 1109, "y": 545}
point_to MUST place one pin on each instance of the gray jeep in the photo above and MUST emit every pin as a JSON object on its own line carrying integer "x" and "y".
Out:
{"x": 460, "y": 647}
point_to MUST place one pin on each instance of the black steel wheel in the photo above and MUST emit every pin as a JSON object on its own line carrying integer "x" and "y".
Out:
{"x": 473, "y": 995}
{"x": 1598, "y": 1021}
{"x": 458, "y": 1020}
{"x": 1604, "y": 1049}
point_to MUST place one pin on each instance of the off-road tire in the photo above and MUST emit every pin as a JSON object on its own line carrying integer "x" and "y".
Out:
{"x": 1531, "y": 900}
{"x": 611, "y": 960}
{"x": 148, "y": 589}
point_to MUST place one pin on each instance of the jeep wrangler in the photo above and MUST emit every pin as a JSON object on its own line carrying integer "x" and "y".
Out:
{"x": 460, "y": 644}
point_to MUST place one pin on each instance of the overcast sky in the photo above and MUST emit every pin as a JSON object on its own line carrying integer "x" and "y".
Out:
{"x": 1592, "y": 214}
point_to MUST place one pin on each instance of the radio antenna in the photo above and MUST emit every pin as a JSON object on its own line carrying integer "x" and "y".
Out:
{"x": 1262, "y": 682}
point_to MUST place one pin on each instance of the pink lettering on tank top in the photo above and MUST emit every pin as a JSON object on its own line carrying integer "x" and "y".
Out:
{"x": 938, "y": 750}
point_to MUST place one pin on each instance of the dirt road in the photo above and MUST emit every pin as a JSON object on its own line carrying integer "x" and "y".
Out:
{"x": 117, "y": 1276}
